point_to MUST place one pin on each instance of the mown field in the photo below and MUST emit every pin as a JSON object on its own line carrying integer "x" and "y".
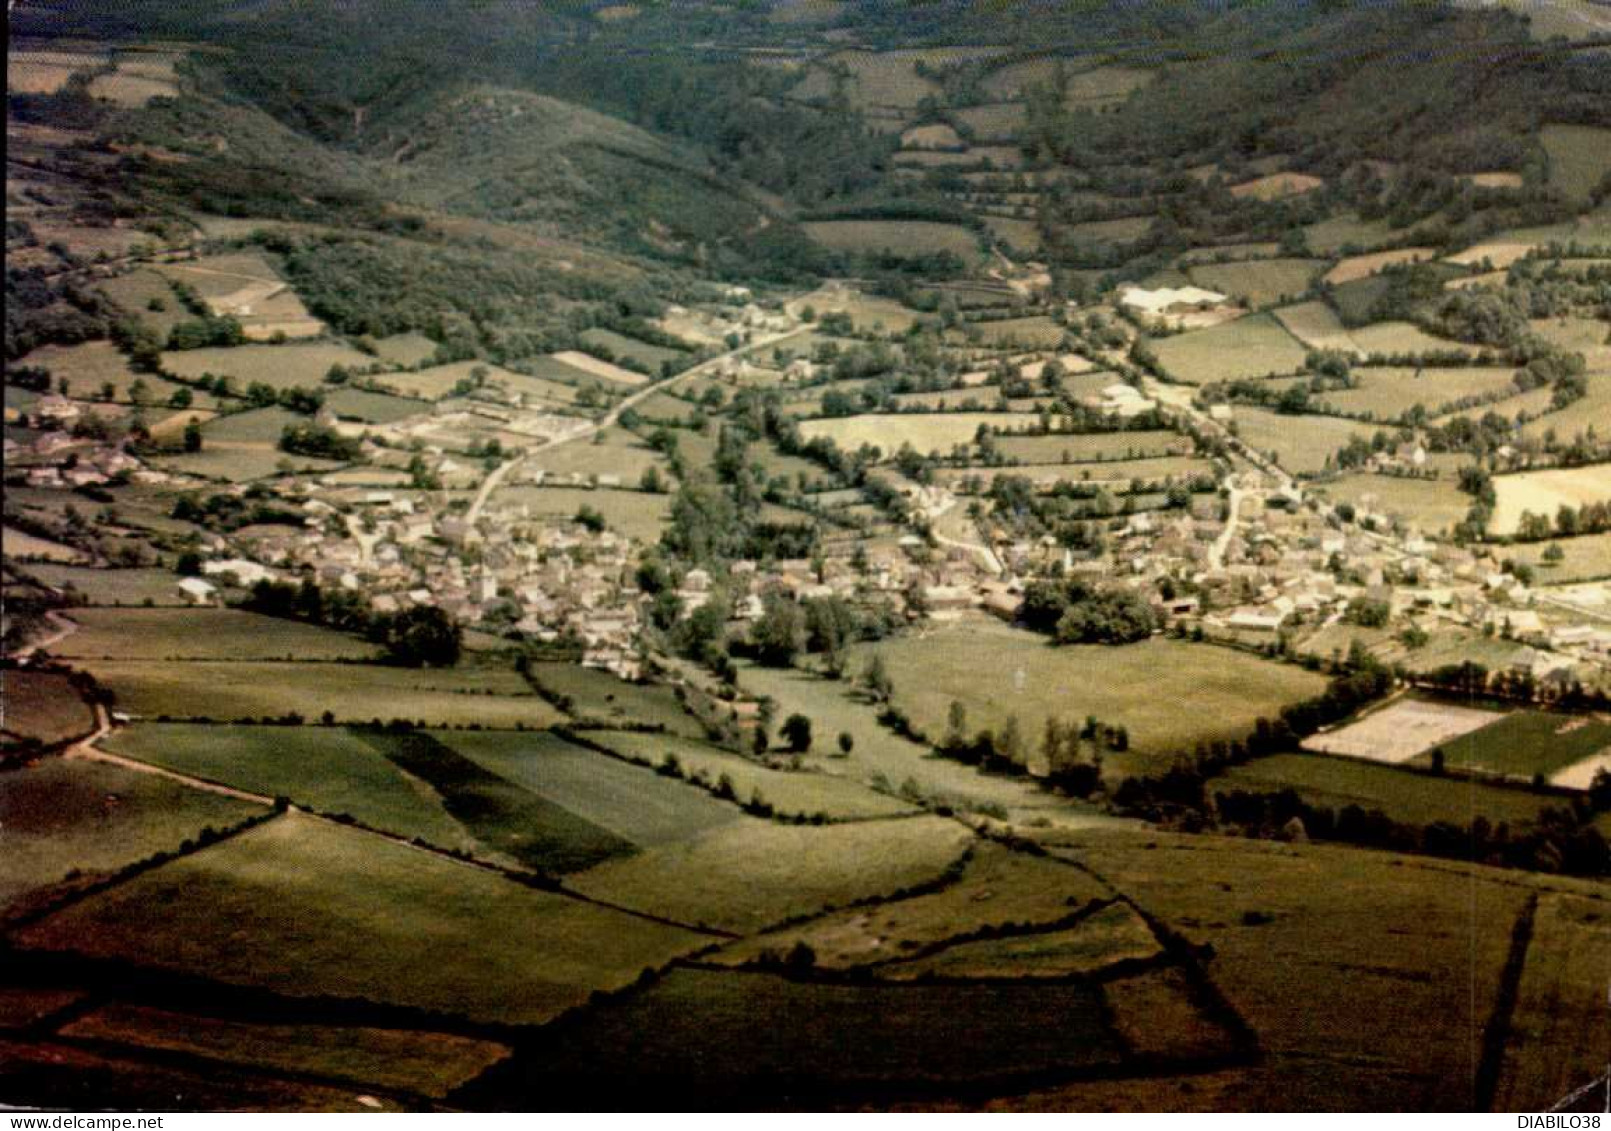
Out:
{"x": 1256, "y": 346}
{"x": 305, "y": 908}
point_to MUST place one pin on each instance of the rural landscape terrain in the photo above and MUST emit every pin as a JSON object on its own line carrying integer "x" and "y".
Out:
{"x": 807, "y": 554}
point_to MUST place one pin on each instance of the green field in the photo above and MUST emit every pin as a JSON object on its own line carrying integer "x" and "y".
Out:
{"x": 1108, "y": 231}
{"x": 374, "y": 408}
{"x": 998, "y": 890}
{"x": 1300, "y": 443}
{"x": 305, "y": 908}
{"x": 405, "y": 1060}
{"x": 753, "y": 874}
{"x": 1028, "y": 333}
{"x": 289, "y": 366}
{"x": 632, "y": 513}
{"x": 612, "y": 451}
{"x": 1525, "y": 743}
{"x": 1409, "y": 798}
{"x": 357, "y": 693}
{"x": 1171, "y": 695}
{"x": 1256, "y": 346}
{"x": 1258, "y": 282}
{"x": 629, "y": 802}
{"x": 1559, "y": 998}
{"x": 1587, "y": 556}
{"x": 1089, "y": 448}
{"x": 1432, "y": 505}
{"x": 1103, "y": 938}
{"x": 88, "y": 368}
{"x": 1316, "y": 326}
{"x": 405, "y": 349}
{"x": 1404, "y": 337}
{"x": 44, "y": 706}
{"x": 599, "y": 696}
{"x": 622, "y": 347}
{"x": 503, "y": 814}
{"x": 1579, "y": 158}
{"x": 1387, "y": 393}
{"x": 925, "y": 431}
{"x": 203, "y": 634}
{"x": 803, "y": 792}
{"x": 112, "y": 586}
{"x": 327, "y": 769}
{"x": 1361, "y": 939}
{"x": 66, "y": 818}
{"x": 721, "y": 1029}
{"x": 916, "y": 237}
{"x": 243, "y": 464}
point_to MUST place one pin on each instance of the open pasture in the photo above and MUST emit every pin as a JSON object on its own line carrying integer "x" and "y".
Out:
{"x": 1101, "y": 939}
{"x": 752, "y": 874}
{"x": 1430, "y": 505}
{"x": 1316, "y": 326}
{"x": 612, "y": 451}
{"x": 1560, "y": 997}
{"x": 926, "y": 432}
{"x": 1410, "y": 798}
{"x": 1024, "y": 333}
{"x": 1388, "y": 392}
{"x": 1258, "y": 282}
{"x": 399, "y": 1059}
{"x": 1299, "y": 443}
{"x": 791, "y": 792}
{"x": 1545, "y": 492}
{"x": 46, "y": 72}
{"x": 1171, "y": 695}
{"x": 1276, "y": 186}
{"x": 438, "y": 381}
{"x": 405, "y": 349}
{"x": 996, "y": 889}
{"x": 43, "y": 706}
{"x": 243, "y": 463}
{"x": 621, "y": 346}
{"x": 293, "y": 365}
{"x": 90, "y": 367}
{"x": 1362, "y": 939}
{"x": 1047, "y": 475}
{"x": 1401, "y": 731}
{"x": 326, "y": 769}
{"x": 305, "y": 908}
{"x": 1256, "y": 346}
{"x": 1021, "y": 235}
{"x": 597, "y": 368}
{"x": 357, "y": 693}
{"x": 138, "y": 291}
{"x": 71, "y": 818}
{"x": 997, "y": 121}
{"x": 1124, "y": 230}
{"x": 203, "y": 634}
{"x": 720, "y": 1028}
{"x": 599, "y": 696}
{"x": 632, "y": 513}
{"x": 1588, "y": 556}
{"x": 867, "y": 312}
{"x": 21, "y": 545}
{"x": 918, "y": 237}
{"x": 1403, "y": 337}
{"x": 1592, "y": 410}
{"x": 1090, "y": 448}
{"x": 1579, "y": 156}
{"x": 374, "y": 408}
{"x": 112, "y": 586}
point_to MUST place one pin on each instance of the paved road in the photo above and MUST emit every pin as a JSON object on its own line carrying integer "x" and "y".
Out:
{"x": 587, "y": 431}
